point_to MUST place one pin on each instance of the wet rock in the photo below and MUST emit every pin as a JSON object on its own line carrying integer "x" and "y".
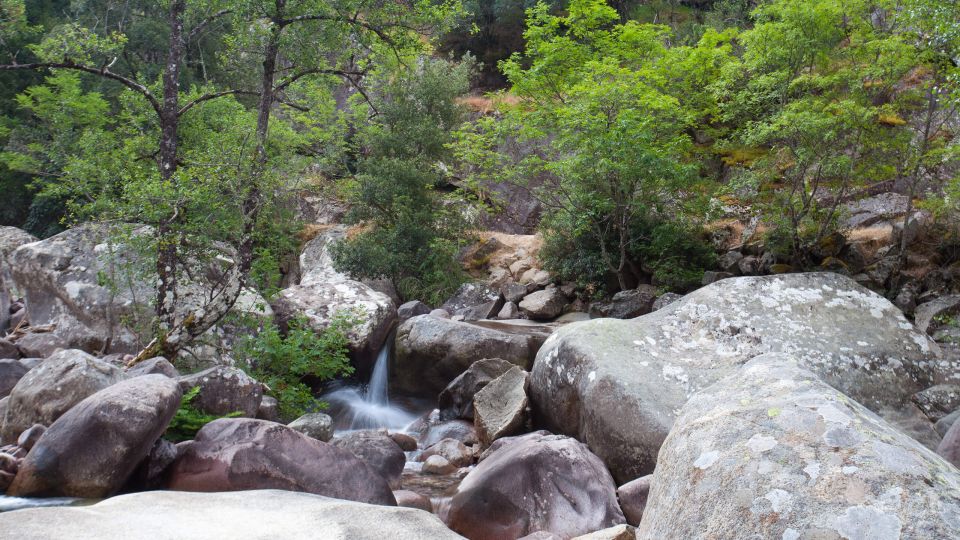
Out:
{"x": 453, "y": 429}
{"x": 11, "y": 371}
{"x": 224, "y": 390}
{"x": 377, "y": 450}
{"x": 633, "y": 498}
{"x": 452, "y": 450}
{"x": 796, "y": 459}
{"x": 411, "y": 499}
{"x": 500, "y": 408}
{"x": 411, "y": 309}
{"x": 535, "y": 482}
{"x": 640, "y": 372}
{"x": 316, "y": 425}
{"x": 234, "y": 454}
{"x": 626, "y": 304}
{"x": 92, "y": 449}
{"x": 157, "y": 365}
{"x": 456, "y": 400}
{"x": 938, "y": 401}
{"x": 269, "y": 409}
{"x": 544, "y": 305}
{"x": 323, "y": 292}
{"x": 431, "y": 352}
{"x": 54, "y": 387}
{"x": 438, "y": 465}
{"x": 257, "y": 514}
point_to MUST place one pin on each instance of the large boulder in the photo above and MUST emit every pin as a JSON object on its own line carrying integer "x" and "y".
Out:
{"x": 545, "y": 304}
{"x": 10, "y": 239}
{"x": 431, "y": 352}
{"x": 92, "y": 449}
{"x": 535, "y": 482}
{"x": 173, "y": 515}
{"x": 224, "y": 390}
{"x": 377, "y": 450}
{"x": 53, "y": 388}
{"x": 316, "y": 425}
{"x": 773, "y": 452}
{"x": 236, "y": 454}
{"x": 617, "y": 385}
{"x": 11, "y": 371}
{"x": 323, "y": 293}
{"x": 501, "y": 406}
{"x": 474, "y": 301}
{"x": 94, "y": 286}
{"x": 626, "y": 304}
{"x": 456, "y": 400}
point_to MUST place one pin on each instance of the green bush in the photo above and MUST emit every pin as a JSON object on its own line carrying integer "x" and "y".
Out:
{"x": 188, "y": 420}
{"x": 286, "y": 361}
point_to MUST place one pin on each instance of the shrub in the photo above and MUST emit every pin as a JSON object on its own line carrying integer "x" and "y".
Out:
{"x": 188, "y": 420}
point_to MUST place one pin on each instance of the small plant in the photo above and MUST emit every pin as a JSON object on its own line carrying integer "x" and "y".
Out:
{"x": 188, "y": 420}
{"x": 284, "y": 362}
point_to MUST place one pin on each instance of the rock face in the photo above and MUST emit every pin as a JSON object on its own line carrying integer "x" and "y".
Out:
{"x": 773, "y": 452}
{"x": 377, "y": 450}
{"x": 224, "y": 390}
{"x": 456, "y": 400}
{"x": 535, "y": 482}
{"x": 236, "y": 454}
{"x": 616, "y": 385}
{"x": 323, "y": 292}
{"x": 172, "y": 515}
{"x": 316, "y": 425}
{"x": 61, "y": 278}
{"x": 10, "y": 239}
{"x": 474, "y": 301}
{"x": 501, "y": 406}
{"x": 431, "y": 352}
{"x": 53, "y": 387}
{"x": 92, "y": 449}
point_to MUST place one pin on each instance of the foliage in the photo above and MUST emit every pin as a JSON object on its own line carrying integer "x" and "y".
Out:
{"x": 287, "y": 361}
{"x": 188, "y": 420}
{"x": 412, "y": 230}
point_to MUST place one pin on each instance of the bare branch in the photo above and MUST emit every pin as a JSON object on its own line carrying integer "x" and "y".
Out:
{"x": 214, "y": 95}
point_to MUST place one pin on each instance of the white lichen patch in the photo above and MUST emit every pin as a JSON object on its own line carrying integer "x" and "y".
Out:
{"x": 706, "y": 459}
{"x": 759, "y": 444}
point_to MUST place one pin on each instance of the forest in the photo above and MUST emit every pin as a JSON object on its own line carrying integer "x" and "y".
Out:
{"x": 604, "y": 219}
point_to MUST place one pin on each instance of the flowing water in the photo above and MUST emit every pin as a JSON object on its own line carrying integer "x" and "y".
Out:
{"x": 368, "y": 406}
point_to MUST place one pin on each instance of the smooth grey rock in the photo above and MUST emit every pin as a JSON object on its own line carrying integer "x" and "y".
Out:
{"x": 795, "y": 459}
{"x": 411, "y": 309}
{"x": 92, "y": 449}
{"x": 926, "y": 315}
{"x": 269, "y": 409}
{"x": 11, "y": 238}
{"x": 224, "y": 390}
{"x": 626, "y": 304}
{"x": 431, "y": 352}
{"x": 44, "y": 344}
{"x": 236, "y": 454}
{"x": 376, "y": 449}
{"x": 943, "y": 425}
{"x": 29, "y": 437}
{"x": 53, "y": 388}
{"x": 633, "y": 498}
{"x": 535, "y": 482}
{"x": 316, "y": 425}
{"x": 11, "y": 371}
{"x": 173, "y": 515}
{"x": 509, "y": 311}
{"x": 500, "y": 408}
{"x": 470, "y": 295}
{"x": 544, "y": 305}
{"x": 460, "y": 430}
{"x": 157, "y": 365}
{"x": 456, "y": 400}
{"x": 617, "y": 385}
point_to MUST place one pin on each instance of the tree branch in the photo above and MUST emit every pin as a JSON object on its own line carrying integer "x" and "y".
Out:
{"x": 214, "y": 95}
{"x": 203, "y": 24}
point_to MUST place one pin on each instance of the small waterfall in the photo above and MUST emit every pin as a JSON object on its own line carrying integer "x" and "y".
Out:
{"x": 369, "y": 407}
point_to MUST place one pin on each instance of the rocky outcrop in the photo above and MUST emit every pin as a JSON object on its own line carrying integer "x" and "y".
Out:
{"x": 53, "y": 388}
{"x": 224, "y": 390}
{"x": 376, "y": 449}
{"x": 236, "y": 454}
{"x": 456, "y": 400}
{"x": 535, "y": 482}
{"x": 617, "y": 385}
{"x": 173, "y": 515}
{"x": 474, "y": 301}
{"x": 316, "y": 425}
{"x": 10, "y": 239}
{"x": 92, "y": 449}
{"x": 323, "y": 293}
{"x": 773, "y": 452}
{"x": 500, "y": 408}
{"x": 94, "y": 287}
{"x": 431, "y": 352}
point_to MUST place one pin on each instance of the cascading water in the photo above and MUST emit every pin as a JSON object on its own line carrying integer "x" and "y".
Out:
{"x": 369, "y": 407}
